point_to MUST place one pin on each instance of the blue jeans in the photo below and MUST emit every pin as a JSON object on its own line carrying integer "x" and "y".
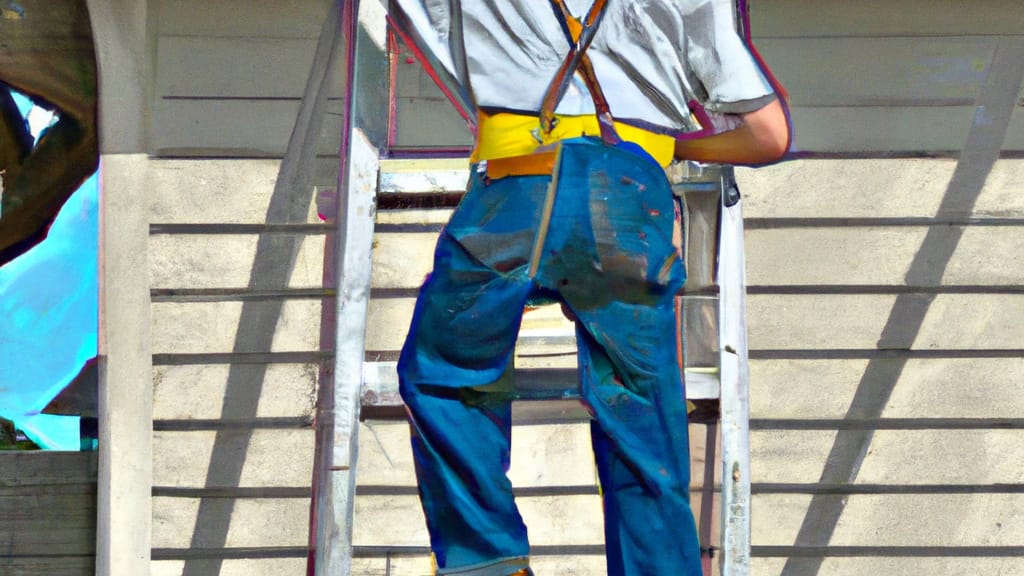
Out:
{"x": 608, "y": 257}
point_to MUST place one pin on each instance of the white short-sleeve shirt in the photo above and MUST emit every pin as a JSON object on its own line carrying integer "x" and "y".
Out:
{"x": 653, "y": 58}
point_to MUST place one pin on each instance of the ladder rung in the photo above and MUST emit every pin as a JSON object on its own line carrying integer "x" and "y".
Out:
{"x": 423, "y": 176}
{"x": 380, "y": 384}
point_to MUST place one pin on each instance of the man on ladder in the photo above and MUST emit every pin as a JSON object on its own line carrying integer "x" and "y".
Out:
{"x": 555, "y": 213}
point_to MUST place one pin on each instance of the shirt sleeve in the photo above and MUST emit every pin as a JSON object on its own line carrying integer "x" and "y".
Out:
{"x": 731, "y": 77}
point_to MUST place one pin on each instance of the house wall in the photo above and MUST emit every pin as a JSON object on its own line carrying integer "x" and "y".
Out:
{"x": 862, "y": 308}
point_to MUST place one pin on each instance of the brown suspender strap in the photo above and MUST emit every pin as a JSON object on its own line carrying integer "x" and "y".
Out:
{"x": 580, "y": 35}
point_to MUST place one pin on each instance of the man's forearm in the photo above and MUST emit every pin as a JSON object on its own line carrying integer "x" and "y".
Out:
{"x": 762, "y": 137}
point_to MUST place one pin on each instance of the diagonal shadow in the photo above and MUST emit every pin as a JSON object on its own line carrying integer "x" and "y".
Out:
{"x": 272, "y": 267}
{"x": 994, "y": 107}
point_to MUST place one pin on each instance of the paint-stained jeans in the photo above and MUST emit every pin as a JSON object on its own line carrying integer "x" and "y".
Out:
{"x": 608, "y": 256}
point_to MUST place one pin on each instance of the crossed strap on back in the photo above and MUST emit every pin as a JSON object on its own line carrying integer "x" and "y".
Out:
{"x": 580, "y": 34}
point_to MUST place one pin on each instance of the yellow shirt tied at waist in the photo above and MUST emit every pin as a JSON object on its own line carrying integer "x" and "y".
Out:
{"x": 508, "y": 142}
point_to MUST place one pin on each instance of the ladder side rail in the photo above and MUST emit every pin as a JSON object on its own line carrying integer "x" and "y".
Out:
{"x": 735, "y": 399}
{"x": 362, "y": 26}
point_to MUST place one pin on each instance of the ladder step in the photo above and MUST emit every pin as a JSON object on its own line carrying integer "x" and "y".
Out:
{"x": 545, "y": 331}
{"x": 434, "y": 176}
{"x": 380, "y": 384}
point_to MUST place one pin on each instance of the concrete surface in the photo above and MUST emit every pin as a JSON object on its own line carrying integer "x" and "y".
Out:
{"x": 125, "y": 395}
{"x": 794, "y": 388}
{"x": 272, "y": 458}
{"x": 185, "y": 392}
{"x": 225, "y": 261}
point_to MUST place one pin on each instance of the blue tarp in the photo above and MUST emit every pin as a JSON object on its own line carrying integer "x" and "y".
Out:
{"x": 49, "y": 318}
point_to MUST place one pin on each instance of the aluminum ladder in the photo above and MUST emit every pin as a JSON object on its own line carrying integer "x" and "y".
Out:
{"x": 353, "y": 43}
